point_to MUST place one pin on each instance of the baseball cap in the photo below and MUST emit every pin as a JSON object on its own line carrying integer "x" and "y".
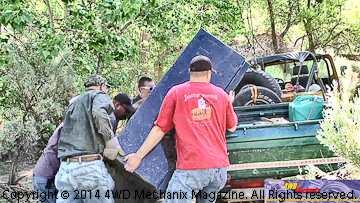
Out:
{"x": 201, "y": 63}
{"x": 125, "y": 100}
{"x": 96, "y": 80}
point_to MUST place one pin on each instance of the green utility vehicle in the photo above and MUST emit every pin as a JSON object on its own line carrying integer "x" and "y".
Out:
{"x": 266, "y": 145}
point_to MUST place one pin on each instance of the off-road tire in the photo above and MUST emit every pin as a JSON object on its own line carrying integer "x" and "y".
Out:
{"x": 259, "y": 78}
{"x": 246, "y": 86}
{"x": 264, "y": 96}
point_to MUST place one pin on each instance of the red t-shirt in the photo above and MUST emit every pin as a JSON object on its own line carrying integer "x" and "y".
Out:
{"x": 201, "y": 112}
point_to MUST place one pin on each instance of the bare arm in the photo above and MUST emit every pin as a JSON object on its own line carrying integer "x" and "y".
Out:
{"x": 134, "y": 160}
{"x": 232, "y": 97}
{"x": 137, "y": 104}
{"x": 232, "y": 129}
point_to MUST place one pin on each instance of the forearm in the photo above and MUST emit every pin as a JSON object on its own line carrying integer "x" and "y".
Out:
{"x": 232, "y": 129}
{"x": 154, "y": 137}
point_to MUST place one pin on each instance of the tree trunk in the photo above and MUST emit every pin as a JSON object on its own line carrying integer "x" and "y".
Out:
{"x": 145, "y": 46}
{"x": 12, "y": 172}
{"x": 66, "y": 11}
{"x": 273, "y": 28}
{"x": 100, "y": 65}
{"x": 307, "y": 25}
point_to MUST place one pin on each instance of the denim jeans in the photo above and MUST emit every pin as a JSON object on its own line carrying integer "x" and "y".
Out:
{"x": 84, "y": 182}
{"x": 203, "y": 185}
{"x": 46, "y": 191}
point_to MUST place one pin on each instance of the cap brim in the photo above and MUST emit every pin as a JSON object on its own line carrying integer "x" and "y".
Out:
{"x": 214, "y": 71}
{"x": 108, "y": 85}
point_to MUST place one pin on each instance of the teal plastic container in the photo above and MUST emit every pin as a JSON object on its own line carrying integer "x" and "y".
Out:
{"x": 306, "y": 107}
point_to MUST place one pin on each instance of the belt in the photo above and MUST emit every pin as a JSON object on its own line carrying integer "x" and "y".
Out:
{"x": 85, "y": 158}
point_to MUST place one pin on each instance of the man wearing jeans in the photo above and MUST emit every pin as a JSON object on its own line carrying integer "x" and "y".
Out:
{"x": 201, "y": 113}
{"x": 82, "y": 175}
{"x": 49, "y": 163}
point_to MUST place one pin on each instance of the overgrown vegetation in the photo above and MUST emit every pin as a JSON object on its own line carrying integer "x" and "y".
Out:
{"x": 34, "y": 95}
{"x": 341, "y": 128}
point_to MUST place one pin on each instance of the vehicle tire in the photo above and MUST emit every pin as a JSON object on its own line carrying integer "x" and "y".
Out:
{"x": 264, "y": 96}
{"x": 246, "y": 86}
{"x": 259, "y": 78}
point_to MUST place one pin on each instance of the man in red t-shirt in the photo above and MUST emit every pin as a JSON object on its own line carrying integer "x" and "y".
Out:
{"x": 201, "y": 113}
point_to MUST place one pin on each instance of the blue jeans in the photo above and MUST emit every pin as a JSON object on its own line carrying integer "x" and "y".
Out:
{"x": 45, "y": 188}
{"x": 203, "y": 185}
{"x": 84, "y": 182}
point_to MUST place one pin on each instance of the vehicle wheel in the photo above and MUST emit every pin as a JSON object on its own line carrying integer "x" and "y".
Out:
{"x": 264, "y": 96}
{"x": 259, "y": 78}
{"x": 246, "y": 86}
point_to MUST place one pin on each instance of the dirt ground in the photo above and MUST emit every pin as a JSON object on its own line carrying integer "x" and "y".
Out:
{"x": 23, "y": 170}
{"x": 25, "y": 184}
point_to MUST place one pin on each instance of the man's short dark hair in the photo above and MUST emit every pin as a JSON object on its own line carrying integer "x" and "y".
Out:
{"x": 143, "y": 80}
{"x": 125, "y": 100}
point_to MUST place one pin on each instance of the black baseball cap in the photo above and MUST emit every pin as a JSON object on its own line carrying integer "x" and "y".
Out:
{"x": 125, "y": 100}
{"x": 201, "y": 63}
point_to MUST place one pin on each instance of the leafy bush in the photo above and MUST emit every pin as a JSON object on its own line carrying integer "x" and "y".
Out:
{"x": 33, "y": 97}
{"x": 341, "y": 127}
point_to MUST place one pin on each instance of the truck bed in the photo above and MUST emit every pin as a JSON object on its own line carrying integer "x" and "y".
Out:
{"x": 270, "y": 151}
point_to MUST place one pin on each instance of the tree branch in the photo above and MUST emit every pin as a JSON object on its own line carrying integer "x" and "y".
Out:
{"x": 273, "y": 29}
{"x": 57, "y": 1}
{"x": 249, "y": 20}
{"x": 47, "y": 2}
{"x": 288, "y": 24}
{"x": 13, "y": 35}
{"x": 129, "y": 23}
{"x": 299, "y": 39}
{"x": 331, "y": 31}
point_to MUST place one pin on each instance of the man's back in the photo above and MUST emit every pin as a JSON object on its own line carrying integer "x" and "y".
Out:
{"x": 80, "y": 136}
{"x": 200, "y": 117}
{"x": 201, "y": 113}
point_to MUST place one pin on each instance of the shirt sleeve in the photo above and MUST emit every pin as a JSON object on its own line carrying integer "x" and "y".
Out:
{"x": 165, "y": 119}
{"x": 102, "y": 108}
{"x": 114, "y": 122}
{"x": 53, "y": 140}
{"x": 231, "y": 117}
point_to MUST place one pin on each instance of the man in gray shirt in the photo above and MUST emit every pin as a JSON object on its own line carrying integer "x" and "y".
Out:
{"x": 82, "y": 175}
{"x": 48, "y": 164}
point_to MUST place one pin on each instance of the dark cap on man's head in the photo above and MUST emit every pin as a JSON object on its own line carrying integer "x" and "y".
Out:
{"x": 201, "y": 63}
{"x": 96, "y": 80}
{"x": 125, "y": 100}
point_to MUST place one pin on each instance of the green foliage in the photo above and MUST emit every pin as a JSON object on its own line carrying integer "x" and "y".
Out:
{"x": 17, "y": 134}
{"x": 322, "y": 21}
{"x": 305, "y": 25}
{"x": 355, "y": 68}
{"x": 340, "y": 128}
{"x": 33, "y": 95}
{"x": 38, "y": 90}
{"x": 15, "y": 15}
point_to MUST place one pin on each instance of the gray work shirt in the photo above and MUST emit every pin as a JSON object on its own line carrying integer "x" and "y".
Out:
{"x": 86, "y": 125}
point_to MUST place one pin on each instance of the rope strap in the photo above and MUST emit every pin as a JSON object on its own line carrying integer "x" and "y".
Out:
{"x": 254, "y": 93}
